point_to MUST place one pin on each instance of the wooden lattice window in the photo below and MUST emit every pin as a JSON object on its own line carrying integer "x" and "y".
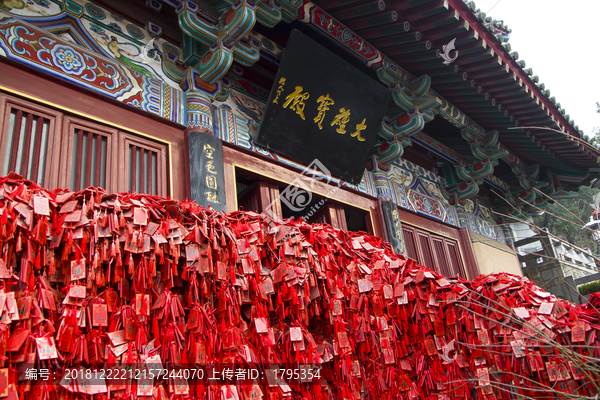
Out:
{"x": 270, "y": 201}
{"x": 338, "y": 217}
{"x": 57, "y": 150}
{"x": 28, "y": 140}
{"x": 250, "y": 201}
{"x": 145, "y": 169}
{"x": 436, "y": 252}
{"x": 442, "y": 257}
{"x": 319, "y": 219}
{"x": 409, "y": 242}
{"x": 425, "y": 250}
{"x": 257, "y": 195}
{"x": 456, "y": 261}
{"x": 91, "y": 150}
{"x": 331, "y": 214}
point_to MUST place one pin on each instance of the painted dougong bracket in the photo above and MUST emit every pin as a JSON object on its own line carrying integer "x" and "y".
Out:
{"x": 415, "y": 107}
{"x": 524, "y": 196}
{"x": 467, "y": 184}
{"x": 520, "y": 200}
{"x": 396, "y": 136}
{"x": 215, "y": 37}
{"x": 211, "y": 36}
{"x": 516, "y": 201}
{"x": 485, "y": 149}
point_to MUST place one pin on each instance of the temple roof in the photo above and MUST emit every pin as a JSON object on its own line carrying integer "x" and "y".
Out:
{"x": 487, "y": 81}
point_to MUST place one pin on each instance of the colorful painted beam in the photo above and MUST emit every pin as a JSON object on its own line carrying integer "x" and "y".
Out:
{"x": 28, "y": 45}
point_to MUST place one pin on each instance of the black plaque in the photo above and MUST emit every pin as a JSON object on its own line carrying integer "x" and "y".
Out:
{"x": 393, "y": 226}
{"x": 301, "y": 121}
{"x": 207, "y": 177}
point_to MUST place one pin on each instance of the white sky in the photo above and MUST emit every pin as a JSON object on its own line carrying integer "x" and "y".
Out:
{"x": 558, "y": 40}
